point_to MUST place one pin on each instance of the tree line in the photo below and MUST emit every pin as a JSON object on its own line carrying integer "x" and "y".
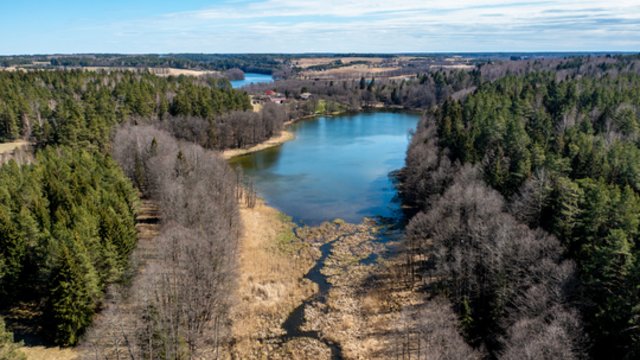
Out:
{"x": 421, "y": 90}
{"x": 419, "y": 86}
{"x": 529, "y": 212}
{"x": 67, "y": 218}
{"x": 258, "y": 63}
{"x": 80, "y": 108}
{"x": 235, "y": 129}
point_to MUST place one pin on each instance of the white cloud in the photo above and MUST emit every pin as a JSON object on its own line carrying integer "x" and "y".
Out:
{"x": 387, "y": 26}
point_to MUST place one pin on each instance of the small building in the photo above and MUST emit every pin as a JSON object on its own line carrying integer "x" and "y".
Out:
{"x": 278, "y": 99}
{"x": 270, "y": 96}
{"x": 258, "y": 99}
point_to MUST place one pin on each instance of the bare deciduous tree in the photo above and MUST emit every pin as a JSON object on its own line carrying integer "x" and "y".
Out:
{"x": 178, "y": 303}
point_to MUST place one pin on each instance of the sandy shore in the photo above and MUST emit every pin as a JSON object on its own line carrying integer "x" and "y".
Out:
{"x": 273, "y": 142}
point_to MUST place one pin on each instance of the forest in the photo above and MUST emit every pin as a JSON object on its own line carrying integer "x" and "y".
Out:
{"x": 264, "y": 64}
{"x": 421, "y": 91}
{"x": 67, "y": 229}
{"x": 420, "y": 87}
{"x": 528, "y": 212}
{"x": 67, "y": 216}
{"x": 522, "y": 179}
{"x": 81, "y": 108}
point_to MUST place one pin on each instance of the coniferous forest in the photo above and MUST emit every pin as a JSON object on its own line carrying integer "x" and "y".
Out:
{"x": 67, "y": 216}
{"x": 528, "y": 200}
{"x": 323, "y": 180}
{"x": 80, "y": 108}
{"x": 521, "y": 183}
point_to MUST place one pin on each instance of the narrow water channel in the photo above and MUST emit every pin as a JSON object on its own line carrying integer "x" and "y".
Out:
{"x": 293, "y": 324}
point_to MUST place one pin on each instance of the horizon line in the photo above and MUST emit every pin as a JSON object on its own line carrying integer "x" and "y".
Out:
{"x": 506, "y": 52}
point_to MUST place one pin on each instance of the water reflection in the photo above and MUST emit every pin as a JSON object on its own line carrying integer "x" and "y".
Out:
{"x": 337, "y": 167}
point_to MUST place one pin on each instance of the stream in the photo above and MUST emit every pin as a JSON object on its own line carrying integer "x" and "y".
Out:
{"x": 292, "y": 325}
{"x": 296, "y": 319}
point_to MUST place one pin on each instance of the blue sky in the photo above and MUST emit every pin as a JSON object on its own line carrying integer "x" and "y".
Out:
{"x": 258, "y": 26}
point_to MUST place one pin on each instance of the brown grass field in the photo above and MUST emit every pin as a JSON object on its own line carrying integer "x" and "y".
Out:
{"x": 272, "y": 263}
{"x": 308, "y": 62}
{"x": 49, "y": 353}
{"x": 351, "y": 71}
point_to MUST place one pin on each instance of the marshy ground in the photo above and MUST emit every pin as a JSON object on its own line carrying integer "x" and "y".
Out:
{"x": 356, "y": 307}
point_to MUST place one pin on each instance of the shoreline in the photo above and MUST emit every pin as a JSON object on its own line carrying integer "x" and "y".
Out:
{"x": 286, "y": 136}
{"x": 274, "y": 141}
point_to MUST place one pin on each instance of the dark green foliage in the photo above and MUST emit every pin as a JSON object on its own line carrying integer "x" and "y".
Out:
{"x": 80, "y": 108}
{"x": 66, "y": 231}
{"x": 519, "y": 123}
{"x": 263, "y": 63}
{"x": 71, "y": 304}
{"x": 583, "y": 135}
{"x": 67, "y": 223}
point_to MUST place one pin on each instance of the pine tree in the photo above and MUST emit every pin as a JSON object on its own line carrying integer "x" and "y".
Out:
{"x": 566, "y": 200}
{"x": 12, "y": 253}
{"x": 607, "y": 271}
{"x": 71, "y": 306}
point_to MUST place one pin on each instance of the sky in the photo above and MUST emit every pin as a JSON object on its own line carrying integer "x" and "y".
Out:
{"x": 303, "y": 26}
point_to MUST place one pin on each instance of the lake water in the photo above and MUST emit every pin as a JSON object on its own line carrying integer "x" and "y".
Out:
{"x": 251, "y": 78}
{"x": 336, "y": 167}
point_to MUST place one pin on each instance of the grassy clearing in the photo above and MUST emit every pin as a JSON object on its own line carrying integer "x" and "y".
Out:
{"x": 9, "y": 147}
{"x": 49, "y": 353}
{"x": 286, "y": 241}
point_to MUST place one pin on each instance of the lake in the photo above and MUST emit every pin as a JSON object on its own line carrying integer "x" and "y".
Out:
{"x": 336, "y": 167}
{"x": 251, "y": 78}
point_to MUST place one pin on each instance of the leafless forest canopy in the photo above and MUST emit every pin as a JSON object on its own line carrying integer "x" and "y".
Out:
{"x": 177, "y": 307}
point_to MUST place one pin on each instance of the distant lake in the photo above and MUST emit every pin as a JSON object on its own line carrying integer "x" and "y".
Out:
{"x": 337, "y": 167}
{"x": 251, "y": 78}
